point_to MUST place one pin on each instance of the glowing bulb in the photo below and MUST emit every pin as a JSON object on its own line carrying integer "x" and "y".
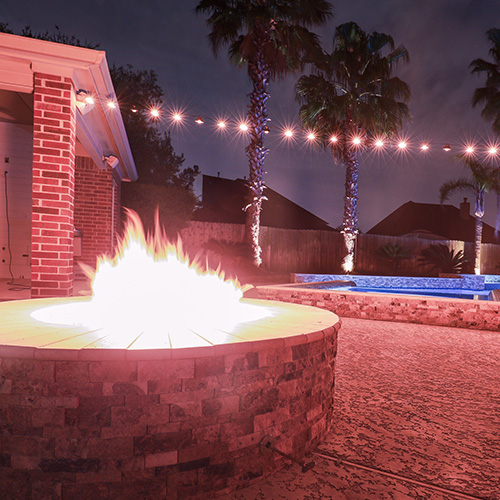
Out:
{"x": 244, "y": 127}
{"x": 134, "y": 109}
{"x": 493, "y": 151}
{"x": 424, "y": 147}
{"x": 89, "y": 100}
{"x": 288, "y": 133}
{"x": 311, "y": 136}
{"x": 469, "y": 149}
{"x": 111, "y": 105}
{"x": 379, "y": 143}
{"x": 447, "y": 148}
{"x": 356, "y": 141}
{"x": 199, "y": 120}
{"x": 221, "y": 124}
{"x": 155, "y": 113}
{"x": 177, "y": 117}
{"x": 402, "y": 145}
{"x": 334, "y": 138}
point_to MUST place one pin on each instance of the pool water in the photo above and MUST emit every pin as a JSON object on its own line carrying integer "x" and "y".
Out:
{"x": 455, "y": 293}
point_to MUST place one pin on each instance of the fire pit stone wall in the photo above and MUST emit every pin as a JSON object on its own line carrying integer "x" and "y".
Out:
{"x": 187, "y": 423}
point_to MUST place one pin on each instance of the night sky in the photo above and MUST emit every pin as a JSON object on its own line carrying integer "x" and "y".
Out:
{"x": 442, "y": 37}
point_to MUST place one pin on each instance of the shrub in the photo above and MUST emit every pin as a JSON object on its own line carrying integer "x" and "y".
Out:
{"x": 442, "y": 259}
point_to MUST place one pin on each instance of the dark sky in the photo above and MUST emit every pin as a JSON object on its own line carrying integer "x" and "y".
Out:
{"x": 442, "y": 37}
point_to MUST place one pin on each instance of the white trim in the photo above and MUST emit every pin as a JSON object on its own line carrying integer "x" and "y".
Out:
{"x": 100, "y": 132}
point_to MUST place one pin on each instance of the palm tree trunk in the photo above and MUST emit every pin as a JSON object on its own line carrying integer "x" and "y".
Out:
{"x": 350, "y": 221}
{"x": 256, "y": 152}
{"x": 477, "y": 244}
{"x": 497, "y": 220}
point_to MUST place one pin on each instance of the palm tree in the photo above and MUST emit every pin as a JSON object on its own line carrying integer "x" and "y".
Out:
{"x": 352, "y": 95}
{"x": 271, "y": 38}
{"x": 482, "y": 180}
{"x": 489, "y": 95}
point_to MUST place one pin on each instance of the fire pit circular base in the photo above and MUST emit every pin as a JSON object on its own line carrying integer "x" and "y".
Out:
{"x": 81, "y": 419}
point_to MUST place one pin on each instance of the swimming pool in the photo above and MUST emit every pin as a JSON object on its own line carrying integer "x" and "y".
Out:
{"x": 430, "y": 301}
{"x": 466, "y": 286}
{"x": 426, "y": 292}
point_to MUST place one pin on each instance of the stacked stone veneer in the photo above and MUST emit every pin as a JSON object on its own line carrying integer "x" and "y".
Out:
{"x": 53, "y": 186}
{"x": 478, "y": 314}
{"x": 158, "y": 425}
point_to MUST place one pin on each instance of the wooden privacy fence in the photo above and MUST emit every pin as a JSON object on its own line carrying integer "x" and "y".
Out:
{"x": 312, "y": 251}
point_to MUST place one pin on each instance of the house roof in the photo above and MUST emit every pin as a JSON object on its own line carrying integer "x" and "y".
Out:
{"x": 99, "y": 131}
{"x": 441, "y": 221}
{"x": 223, "y": 200}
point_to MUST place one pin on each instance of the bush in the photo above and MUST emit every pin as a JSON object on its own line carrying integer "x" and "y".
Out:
{"x": 442, "y": 259}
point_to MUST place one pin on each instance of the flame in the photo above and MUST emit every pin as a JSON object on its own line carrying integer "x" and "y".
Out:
{"x": 150, "y": 287}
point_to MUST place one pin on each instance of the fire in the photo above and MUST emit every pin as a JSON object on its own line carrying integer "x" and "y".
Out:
{"x": 149, "y": 289}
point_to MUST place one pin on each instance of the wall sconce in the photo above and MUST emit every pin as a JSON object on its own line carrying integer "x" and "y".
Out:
{"x": 110, "y": 160}
{"x": 84, "y": 101}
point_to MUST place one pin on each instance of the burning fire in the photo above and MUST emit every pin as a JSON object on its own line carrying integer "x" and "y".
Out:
{"x": 150, "y": 290}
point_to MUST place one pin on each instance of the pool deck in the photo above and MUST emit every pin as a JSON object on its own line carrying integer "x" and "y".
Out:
{"x": 416, "y": 417}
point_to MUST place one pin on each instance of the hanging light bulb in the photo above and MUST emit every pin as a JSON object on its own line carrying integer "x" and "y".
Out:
{"x": 447, "y": 147}
{"x": 134, "y": 109}
{"x": 199, "y": 120}
{"x": 288, "y": 133}
{"x": 424, "y": 147}
{"x": 267, "y": 130}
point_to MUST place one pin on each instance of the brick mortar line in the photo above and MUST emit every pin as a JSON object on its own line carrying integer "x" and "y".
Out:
{"x": 402, "y": 478}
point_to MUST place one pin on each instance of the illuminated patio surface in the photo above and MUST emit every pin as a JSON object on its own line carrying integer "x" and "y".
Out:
{"x": 415, "y": 417}
{"x": 22, "y": 335}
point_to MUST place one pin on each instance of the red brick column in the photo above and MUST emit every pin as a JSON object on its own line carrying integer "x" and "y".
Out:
{"x": 53, "y": 187}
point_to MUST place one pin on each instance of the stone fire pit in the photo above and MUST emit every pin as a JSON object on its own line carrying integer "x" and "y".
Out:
{"x": 84, "y": 417}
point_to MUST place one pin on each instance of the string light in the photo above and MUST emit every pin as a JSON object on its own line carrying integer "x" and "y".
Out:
{"x": 155, "y": 112}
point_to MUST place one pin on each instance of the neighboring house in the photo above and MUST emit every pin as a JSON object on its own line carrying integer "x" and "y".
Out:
{"x": 224, "y": 200}
{"x": 62, "y": 161}
{"x": 433, "y": 221}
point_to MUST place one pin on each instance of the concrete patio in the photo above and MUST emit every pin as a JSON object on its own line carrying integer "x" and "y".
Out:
{"x": 417, "y": 417}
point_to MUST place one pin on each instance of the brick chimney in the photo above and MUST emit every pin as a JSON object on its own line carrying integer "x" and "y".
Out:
{"x": 465, "y": 210}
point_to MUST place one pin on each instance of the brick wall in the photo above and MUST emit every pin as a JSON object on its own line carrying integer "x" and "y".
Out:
{"x": 53, "y": 186}
{"x": 97, "y": 209}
